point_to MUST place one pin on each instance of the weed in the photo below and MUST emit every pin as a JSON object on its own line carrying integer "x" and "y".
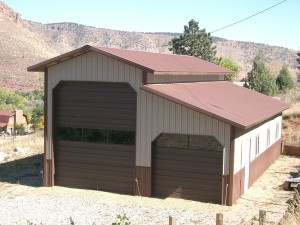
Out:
{"x": 71, "y": 221}
{"x": 122, "y": 220}
{"x": 31, "y": 223}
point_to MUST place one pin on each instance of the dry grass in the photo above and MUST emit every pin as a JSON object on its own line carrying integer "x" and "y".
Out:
{"x": 291, "y": 117}
{"x": 35, "y": 143}
{"x": 19, "y": 166}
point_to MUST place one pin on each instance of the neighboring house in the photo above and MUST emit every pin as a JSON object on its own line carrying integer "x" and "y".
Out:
{"x": 9, "y": 118}
{"x": 154, "y": 125}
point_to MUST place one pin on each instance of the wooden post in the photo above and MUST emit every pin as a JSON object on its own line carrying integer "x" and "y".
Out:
{"x": 219, "y": 219}
{"x": 262, "y": 217}
{"x": 172, "y": 221}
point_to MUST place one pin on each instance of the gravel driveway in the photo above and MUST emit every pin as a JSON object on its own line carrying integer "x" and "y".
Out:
{"x": 40, "y": 205}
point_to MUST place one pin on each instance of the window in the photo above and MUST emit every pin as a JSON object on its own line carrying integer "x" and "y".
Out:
{"x": 103, "y": 136}
{"x": 94, "y": 135}
{"x": 69, "y": 134}
{"x": 120, "y": 137}
{"x": 277, "y": 131}
{"x": 242, "y": 157}
{"x": 11, "y": 120}
{"x": 268, "y": 137}
{"x": 257, "y": 145}
{"x": 191, "y": 142}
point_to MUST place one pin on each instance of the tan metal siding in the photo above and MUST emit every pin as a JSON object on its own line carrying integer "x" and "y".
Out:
{"x": 158, "y": 79}
{"x": 159, "y": 115}
{"x": 90, "y": 67}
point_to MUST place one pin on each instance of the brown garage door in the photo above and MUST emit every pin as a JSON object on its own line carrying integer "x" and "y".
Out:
{"x": 188, "y": 171}
{"x": 95, "y": 136}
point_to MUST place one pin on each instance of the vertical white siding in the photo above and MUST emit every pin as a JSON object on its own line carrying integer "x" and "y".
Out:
{"x": 91, "y": 67}
{"x": 159, "y": 115}
{"x": 155, "y": 115}
{"x": 154, "y": 79}
{"x": 243, "y": 135}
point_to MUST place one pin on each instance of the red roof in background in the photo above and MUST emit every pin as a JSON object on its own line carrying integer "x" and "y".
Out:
{"x": 3, "y": 124}
{"x": 4, "y": 117}
{"x": 224, "y": 101}
{"x": 7, "y": 112}
{"x": 155, "y": 63}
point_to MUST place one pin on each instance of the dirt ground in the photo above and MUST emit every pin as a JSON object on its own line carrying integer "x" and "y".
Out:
{"x": 266, "y": 194}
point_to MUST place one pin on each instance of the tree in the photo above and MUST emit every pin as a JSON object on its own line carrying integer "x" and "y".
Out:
{"x": 37, "y": 116}
{"x": 230, "y": 64}
{"x": 11, "y": 100}
{"x": 32, "y": 95}
{"x": 284, "y": 79}
{"x": 260, "y": 78}
{"x": 194, "y": 42}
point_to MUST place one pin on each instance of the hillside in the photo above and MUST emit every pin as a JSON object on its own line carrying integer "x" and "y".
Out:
{"x": 25, "y": 43}
{"x": 19, "y": 48}
{"x": 67, "y": 36}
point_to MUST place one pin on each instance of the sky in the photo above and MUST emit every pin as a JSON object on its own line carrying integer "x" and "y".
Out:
{"x": 276, "y": 26}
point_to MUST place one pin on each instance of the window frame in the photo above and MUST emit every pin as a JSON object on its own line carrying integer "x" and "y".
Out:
{"x": 268, "y": 143}
{"x": 277, "y": 131}
{"x": 257, "y": 146}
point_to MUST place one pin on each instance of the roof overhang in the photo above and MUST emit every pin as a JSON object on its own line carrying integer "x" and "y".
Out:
{"x": 41, "y": 67}
{"x": 112, "y": 53}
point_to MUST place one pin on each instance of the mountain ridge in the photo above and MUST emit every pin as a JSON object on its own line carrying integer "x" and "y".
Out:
{"x": 25, "y": 43}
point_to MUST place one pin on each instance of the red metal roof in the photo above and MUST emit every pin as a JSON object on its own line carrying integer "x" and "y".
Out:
{"x": 224, "y": 101}
{"x": 150, "y": 62}
{"x": 4, "y": 117}
{"x": 7, "y": 112}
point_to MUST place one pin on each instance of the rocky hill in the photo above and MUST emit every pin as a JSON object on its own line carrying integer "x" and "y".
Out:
{"x": 19, "y": 49}
{"x": 24, "y": 43}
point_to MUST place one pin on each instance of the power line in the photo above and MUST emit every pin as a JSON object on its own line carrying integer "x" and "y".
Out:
{"x": 248, "y": 17}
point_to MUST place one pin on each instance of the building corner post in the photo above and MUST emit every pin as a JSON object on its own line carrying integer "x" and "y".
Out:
{"x": 230, "y": 199}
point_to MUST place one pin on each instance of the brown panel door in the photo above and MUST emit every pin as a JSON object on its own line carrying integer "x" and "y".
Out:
{"x": 187, "y": 174}
{"x": 94, "y": 133}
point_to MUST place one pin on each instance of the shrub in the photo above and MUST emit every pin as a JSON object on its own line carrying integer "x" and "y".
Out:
{"x": 284, "y": 79}
{"x": 122, "y": 220}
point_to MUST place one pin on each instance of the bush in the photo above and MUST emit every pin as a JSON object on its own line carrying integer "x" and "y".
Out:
{"x": 260, "y": 78}
{"x": 230, "y": 64}
{"x": 284, "y": 79}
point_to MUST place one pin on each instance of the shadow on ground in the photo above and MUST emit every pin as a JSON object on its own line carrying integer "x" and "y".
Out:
{"x": 25, "y": 171}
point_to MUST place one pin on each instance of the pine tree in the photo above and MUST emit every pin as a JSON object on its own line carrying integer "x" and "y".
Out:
{"x": 284, "y": 79}
{"x": 260, "y": 78}
{"x": 194, "y": 42}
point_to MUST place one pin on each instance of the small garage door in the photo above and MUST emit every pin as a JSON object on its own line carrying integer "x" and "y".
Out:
{"x": 95, "y": 136}
{"x": 188, "y": 167}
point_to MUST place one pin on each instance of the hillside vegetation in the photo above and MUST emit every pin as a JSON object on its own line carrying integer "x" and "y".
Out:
{"x": 291, "y": 117}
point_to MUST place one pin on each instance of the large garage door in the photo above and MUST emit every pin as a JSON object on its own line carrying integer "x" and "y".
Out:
{"x": 188, "y": 167}
{"x": 95, "y": 136}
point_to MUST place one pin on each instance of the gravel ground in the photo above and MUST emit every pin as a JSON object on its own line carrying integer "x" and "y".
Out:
{"x": 40, "y": 205}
